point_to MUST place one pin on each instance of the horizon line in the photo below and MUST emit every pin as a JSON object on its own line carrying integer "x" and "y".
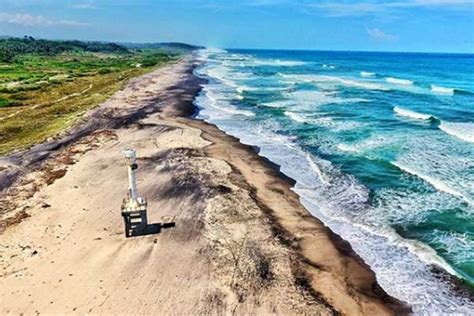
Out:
{"x": 348, "y": 51}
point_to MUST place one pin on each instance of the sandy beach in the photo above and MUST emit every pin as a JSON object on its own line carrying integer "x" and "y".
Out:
{"x": 242, "y": 242}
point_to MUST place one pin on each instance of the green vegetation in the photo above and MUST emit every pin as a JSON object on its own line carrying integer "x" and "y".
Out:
{"x": 45, "y": 88}
{"x": 169, "y": 47}
{"x": 13, "y": 47}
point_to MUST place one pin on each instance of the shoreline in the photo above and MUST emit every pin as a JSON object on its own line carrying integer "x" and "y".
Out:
{"x": 322, "y": 265}
{"x": 280, "y": 182}
{"x": 415, "y": 266}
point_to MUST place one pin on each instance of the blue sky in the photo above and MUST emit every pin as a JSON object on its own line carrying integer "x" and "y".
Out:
{"x": 376, "y": 25}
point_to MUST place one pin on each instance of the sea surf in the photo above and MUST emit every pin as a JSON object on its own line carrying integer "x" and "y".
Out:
{"x": 379, "y": 153}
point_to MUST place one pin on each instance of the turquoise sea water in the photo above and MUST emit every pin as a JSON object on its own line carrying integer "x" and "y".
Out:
{"x": 381, "y": 146}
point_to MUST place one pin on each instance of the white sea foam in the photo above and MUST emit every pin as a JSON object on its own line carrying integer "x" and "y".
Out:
{"x": 440, "y": 161}
{"x": 337, "y": 125}
{"x": 278, "y": 62}
{"x": 236, "y": 75}
{"x": 367, "y": 74}
{"x": 213, "y": 50}
{"x": 369, "y": 85}
{"x": 301, "y": 117}
{"x": 235, "y": 57}
{"x": 220, "y": 74}
{"x": 307, "y": 100}
{"x": 278, "y": 104}
{"x": 347, "y": 148}
{"x": 412, "y": 114}
{"x": 310, "y": 99}
{"x": 229, "y": 78}
{"x": 402, "y": 266}
{"x": 421, "y": 250}
{"x": 237, "y": 112}
{"x": 329, "y": 66}
{"x": 364, "y": 146}
{"x": 457, "y": 245}
{"x": 463, "y": 131}
{"x": 215, "y": 101}
{"x": 372, "y": 220}
{"x": 403, "y": 82}
{"x": 325, "y": 122}
{"x": 243, "y": 88}
{"x": 442, "y": 90}
{"x": 436, "y": 183}
{"x": 297, "y": 117}
{"x": 409, "y": 206}
{"x": 317, "y": 169}
{"x": 362, "y": 84}
{"x": 267, "y": 89}
{"x": 204, "y": 54}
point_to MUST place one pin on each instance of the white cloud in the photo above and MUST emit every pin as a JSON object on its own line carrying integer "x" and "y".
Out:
{"x": 343, "y": 9}
{"x": 348, "y": 9}
{"x": 84, "y": 5}
{"x": 438, "y": 2}
{"x": 26, "y": 19}
{"x": 267, "y": 2}
{"x": 70, "y": 23}
{"x": 378, "y": 34}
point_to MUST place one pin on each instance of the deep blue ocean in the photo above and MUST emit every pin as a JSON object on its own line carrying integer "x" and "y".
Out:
{"x": 381, "y": 146}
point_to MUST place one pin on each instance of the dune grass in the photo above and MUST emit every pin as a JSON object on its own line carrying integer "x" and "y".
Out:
{"x": 41, "y": 96}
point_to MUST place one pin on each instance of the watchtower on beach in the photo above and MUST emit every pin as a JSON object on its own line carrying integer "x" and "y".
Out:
{"x": 134, "y": 208}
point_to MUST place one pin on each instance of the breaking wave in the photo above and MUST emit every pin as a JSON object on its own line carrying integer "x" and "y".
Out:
{"x": 297, "y": 117}
{"x": 436, "y": 183}
{"x": 442, "y": 90}
{"x": 403, "y": 82}
{"x": 278, "y": 62}
{"x": 448, "y": 91}
{"x": 413, "y": 114}
{"x": 336, "y": 80}
{"x": 367, "y": 74}
{"x": 212, "y": 99}
{"x": 463, "y": 131}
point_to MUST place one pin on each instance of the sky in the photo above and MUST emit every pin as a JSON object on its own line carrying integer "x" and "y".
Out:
{"x": 363, "y": 25}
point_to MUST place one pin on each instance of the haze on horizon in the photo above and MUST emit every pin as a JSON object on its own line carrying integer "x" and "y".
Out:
{"x": 368, "y": 25}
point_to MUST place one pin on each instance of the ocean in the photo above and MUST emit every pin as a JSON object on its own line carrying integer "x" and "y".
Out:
{"x": 381, "y": 146}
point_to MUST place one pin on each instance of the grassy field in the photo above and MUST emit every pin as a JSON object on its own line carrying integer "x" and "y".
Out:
{"x": 42, "y": 95}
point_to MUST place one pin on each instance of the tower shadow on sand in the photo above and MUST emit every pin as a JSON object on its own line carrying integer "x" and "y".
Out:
{"x": 149, "y": 229}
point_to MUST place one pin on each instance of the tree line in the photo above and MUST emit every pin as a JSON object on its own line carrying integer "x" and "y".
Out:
{"x": 10, "y": 48}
